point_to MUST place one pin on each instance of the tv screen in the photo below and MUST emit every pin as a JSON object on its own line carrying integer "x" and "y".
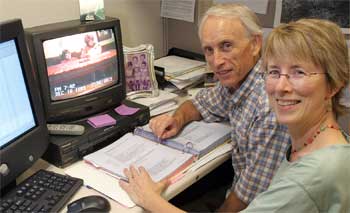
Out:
{"x": 80, "y": 67}
{"x": 81, "y": 63}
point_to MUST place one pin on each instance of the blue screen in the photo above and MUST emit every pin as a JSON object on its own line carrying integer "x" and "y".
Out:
{"x": 16, "y": 114}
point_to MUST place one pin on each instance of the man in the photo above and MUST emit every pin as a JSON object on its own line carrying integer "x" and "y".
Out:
{"x": 231, "y": 40}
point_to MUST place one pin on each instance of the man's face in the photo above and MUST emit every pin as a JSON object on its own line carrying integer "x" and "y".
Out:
{"x": 228, "y": 49}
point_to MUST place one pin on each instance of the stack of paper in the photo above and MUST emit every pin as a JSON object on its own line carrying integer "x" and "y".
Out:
{"x": 180, "y": 71}
{"x": 165, "y": 102}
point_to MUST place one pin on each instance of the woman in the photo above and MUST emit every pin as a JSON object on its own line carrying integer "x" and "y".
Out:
{"x": 306, "y": 63}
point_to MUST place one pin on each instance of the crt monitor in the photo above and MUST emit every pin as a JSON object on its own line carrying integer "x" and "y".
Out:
{"x": 80, "y": 66}
{"x": 23, "y": 133}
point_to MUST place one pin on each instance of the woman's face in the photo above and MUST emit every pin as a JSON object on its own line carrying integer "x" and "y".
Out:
{"x": 301, "y": 96}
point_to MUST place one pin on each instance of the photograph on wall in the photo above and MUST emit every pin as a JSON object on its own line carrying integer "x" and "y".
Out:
{"x": 91, "y": 10}
{"x": 336, "y": 11}
{"x": 139, "y": 71}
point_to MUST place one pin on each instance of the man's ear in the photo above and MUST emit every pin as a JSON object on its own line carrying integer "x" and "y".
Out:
{"x": 256, "y": 44}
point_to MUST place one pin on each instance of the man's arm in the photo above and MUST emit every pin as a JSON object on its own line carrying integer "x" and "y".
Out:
{"x": 166, "y": 126}
{"x": 186, "y": 113}
{"x": 232, "y": 204}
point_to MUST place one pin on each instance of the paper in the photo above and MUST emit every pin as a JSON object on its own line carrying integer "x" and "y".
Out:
{"x": 198, "y": 137}
{"x": 160, "y": 161}
{"x": 164, "y": 102}
{"x": 101, "y": 121}
{"x": 258, "y": 6}
{"x": 217, "y": 152}
{"x": 176, "y": 65}
{"x": 92, "y": 177}
{"x": 179, "y": 9}
{"x": 125, "y": 110}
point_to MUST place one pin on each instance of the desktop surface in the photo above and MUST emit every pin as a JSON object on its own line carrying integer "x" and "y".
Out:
{"x": 174, "y": 189}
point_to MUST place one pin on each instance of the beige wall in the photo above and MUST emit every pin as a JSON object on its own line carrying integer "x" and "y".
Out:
{"x": 140, "y": 19}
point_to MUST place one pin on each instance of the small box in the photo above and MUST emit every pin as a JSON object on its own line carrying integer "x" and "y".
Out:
{"x": 91, "y": 10}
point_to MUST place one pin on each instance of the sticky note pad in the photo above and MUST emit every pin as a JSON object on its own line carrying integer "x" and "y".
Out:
{"x": 101, "y": 121}
{"x": 125, "y": 110}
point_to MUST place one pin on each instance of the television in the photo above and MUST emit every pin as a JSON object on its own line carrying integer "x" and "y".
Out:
{"x": 23, "y": 132}
{"x": 80, "y": 66}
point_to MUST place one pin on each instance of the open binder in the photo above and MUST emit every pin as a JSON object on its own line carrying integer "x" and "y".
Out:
{"x": 168, "y": 158}
{"x": 197, "y": 138}
{"x": 161, "y": 159}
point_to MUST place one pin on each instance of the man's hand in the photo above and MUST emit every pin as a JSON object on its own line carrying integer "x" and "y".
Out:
{"x": 165, "y": 126}
{"x": 141, "y": 188}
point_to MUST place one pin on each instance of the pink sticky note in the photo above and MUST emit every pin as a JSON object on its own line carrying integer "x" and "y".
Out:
{"x": 125, "y": 110}
{"x": 101, "y": 121}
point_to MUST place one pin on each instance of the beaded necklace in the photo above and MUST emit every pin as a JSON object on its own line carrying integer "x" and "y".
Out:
{"x": 311, "y": 140}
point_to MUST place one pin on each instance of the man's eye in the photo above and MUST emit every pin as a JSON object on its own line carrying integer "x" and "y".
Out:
{"x": 227, "y": 46}
{"x": 208, "y": 51}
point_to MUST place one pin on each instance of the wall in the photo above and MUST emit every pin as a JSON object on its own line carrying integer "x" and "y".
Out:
{"x": 190, "y": 40}
{"x": 140, "y": 19}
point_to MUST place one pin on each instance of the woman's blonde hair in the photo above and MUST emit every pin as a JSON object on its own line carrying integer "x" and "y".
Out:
{"x": 314, "y": 40}
{"x": 248, "y": 18}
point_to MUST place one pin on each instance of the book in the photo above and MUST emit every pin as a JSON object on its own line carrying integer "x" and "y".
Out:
{"x": 110, "y": 186}
{"x": 161, "y": 158}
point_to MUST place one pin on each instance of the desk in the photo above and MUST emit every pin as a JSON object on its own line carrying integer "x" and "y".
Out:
{"x": 184, "y": 182}
{"x": 187, "y": 180}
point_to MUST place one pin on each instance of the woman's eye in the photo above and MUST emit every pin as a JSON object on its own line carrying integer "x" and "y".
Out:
{"x": 298, "y": 73}
{"x": 273, "y": 72}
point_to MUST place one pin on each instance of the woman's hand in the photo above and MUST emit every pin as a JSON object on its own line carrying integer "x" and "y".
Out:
{"x": 141, "y": 188}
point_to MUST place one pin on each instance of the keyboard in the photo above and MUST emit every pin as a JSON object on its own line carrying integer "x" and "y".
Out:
{"x": 44, "y": 191}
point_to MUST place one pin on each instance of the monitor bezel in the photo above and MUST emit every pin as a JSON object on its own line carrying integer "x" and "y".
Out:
{"x": 80, "y": 107}
{"x": 20, "y": 154}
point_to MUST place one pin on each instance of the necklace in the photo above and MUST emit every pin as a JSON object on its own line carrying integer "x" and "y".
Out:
{"x": 311, "y": 140}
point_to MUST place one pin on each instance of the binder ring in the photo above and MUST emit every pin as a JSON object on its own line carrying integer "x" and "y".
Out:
{"x": 188, "y": 147}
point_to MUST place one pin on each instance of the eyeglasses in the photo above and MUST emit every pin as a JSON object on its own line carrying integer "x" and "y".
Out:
{"x": 295, "y": 77}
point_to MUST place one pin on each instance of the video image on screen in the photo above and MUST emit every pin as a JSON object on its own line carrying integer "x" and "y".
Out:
{"x": 80, "y": 64}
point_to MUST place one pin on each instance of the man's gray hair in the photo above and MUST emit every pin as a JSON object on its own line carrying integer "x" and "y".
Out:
{"x": 248, "y": 18}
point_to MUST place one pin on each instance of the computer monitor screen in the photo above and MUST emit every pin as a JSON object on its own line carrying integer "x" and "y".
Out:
{"x": 15, "y": 108}
{"x": 83, "y": 66}
{"x": 23, "y": 132}
{"x": 80, "y": 67}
